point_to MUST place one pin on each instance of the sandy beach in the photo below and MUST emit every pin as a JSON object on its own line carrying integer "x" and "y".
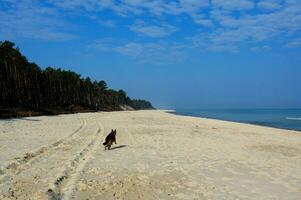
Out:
{"x": 158, "y": 155}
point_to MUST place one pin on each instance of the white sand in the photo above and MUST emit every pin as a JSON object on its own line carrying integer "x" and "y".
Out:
{"x": 158, "y": 156}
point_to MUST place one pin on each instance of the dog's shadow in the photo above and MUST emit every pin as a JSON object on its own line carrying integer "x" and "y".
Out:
{"x": 118, "y": 147}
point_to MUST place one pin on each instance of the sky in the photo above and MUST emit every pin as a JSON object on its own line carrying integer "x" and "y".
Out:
{"x": 177, "y": 54}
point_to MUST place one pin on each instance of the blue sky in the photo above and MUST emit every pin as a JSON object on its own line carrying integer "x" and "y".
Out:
{"x": 177, "y": 54}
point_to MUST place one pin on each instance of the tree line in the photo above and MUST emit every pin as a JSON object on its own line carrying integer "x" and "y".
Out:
{"x": 24, "y": 84}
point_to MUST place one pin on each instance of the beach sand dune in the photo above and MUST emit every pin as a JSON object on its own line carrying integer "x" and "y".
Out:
{"x": 157, "y": 156}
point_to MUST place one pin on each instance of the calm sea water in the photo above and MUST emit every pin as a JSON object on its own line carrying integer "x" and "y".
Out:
{"x": 279, "y": 118}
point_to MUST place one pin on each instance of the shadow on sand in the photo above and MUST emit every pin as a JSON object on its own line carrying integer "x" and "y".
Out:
{"x": 18, "y": 119}
{"x": 118, "y": 147}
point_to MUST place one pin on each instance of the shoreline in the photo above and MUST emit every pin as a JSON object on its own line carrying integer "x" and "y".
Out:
{"x": 173, "y": 112}
{"x": 235, "y": 121}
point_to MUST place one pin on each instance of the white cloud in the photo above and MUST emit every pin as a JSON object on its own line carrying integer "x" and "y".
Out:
{"x": 294, "y": 44}
{"x": 107, "y": 23}
{"x": 222, "y": 48}
{"x": 201, "y": 20}
{"x": 32, "y": 20}
{"x": 104, "y": 45}
{"x": 269, "y": 4}
{"x": 194, "y": 5}
{"x": 260, "y": 48}
{"x": 131, "y": 49}
{"x": 125, "y": 8}
{"x": 153, "y": 30}
{"x": 225, "y": 25}
{"x": 233, "y": 4}
{"x": 204, "y": 42}
{"x": 237, "y": 30}
{"x": 158, "y": 53}
{"x": 226, "y": 32}
{"x": 88, "y": 5}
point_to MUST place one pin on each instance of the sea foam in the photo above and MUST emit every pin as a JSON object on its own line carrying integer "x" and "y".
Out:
{"x": 293, "y": 118}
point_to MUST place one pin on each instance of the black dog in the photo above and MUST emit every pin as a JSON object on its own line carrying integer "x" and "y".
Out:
{"x": 110, "y": 139}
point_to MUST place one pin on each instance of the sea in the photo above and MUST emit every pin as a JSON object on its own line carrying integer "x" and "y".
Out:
{"x": 277, "y": 118}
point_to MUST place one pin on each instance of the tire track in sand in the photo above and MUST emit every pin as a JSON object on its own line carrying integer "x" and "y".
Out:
{"x": 37, "y": 176}
{"x": 15, "y": 167}
{"x": 65, "y": 184}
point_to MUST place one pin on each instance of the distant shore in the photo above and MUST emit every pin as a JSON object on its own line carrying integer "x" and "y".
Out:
{"x": 158, "y": 155}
